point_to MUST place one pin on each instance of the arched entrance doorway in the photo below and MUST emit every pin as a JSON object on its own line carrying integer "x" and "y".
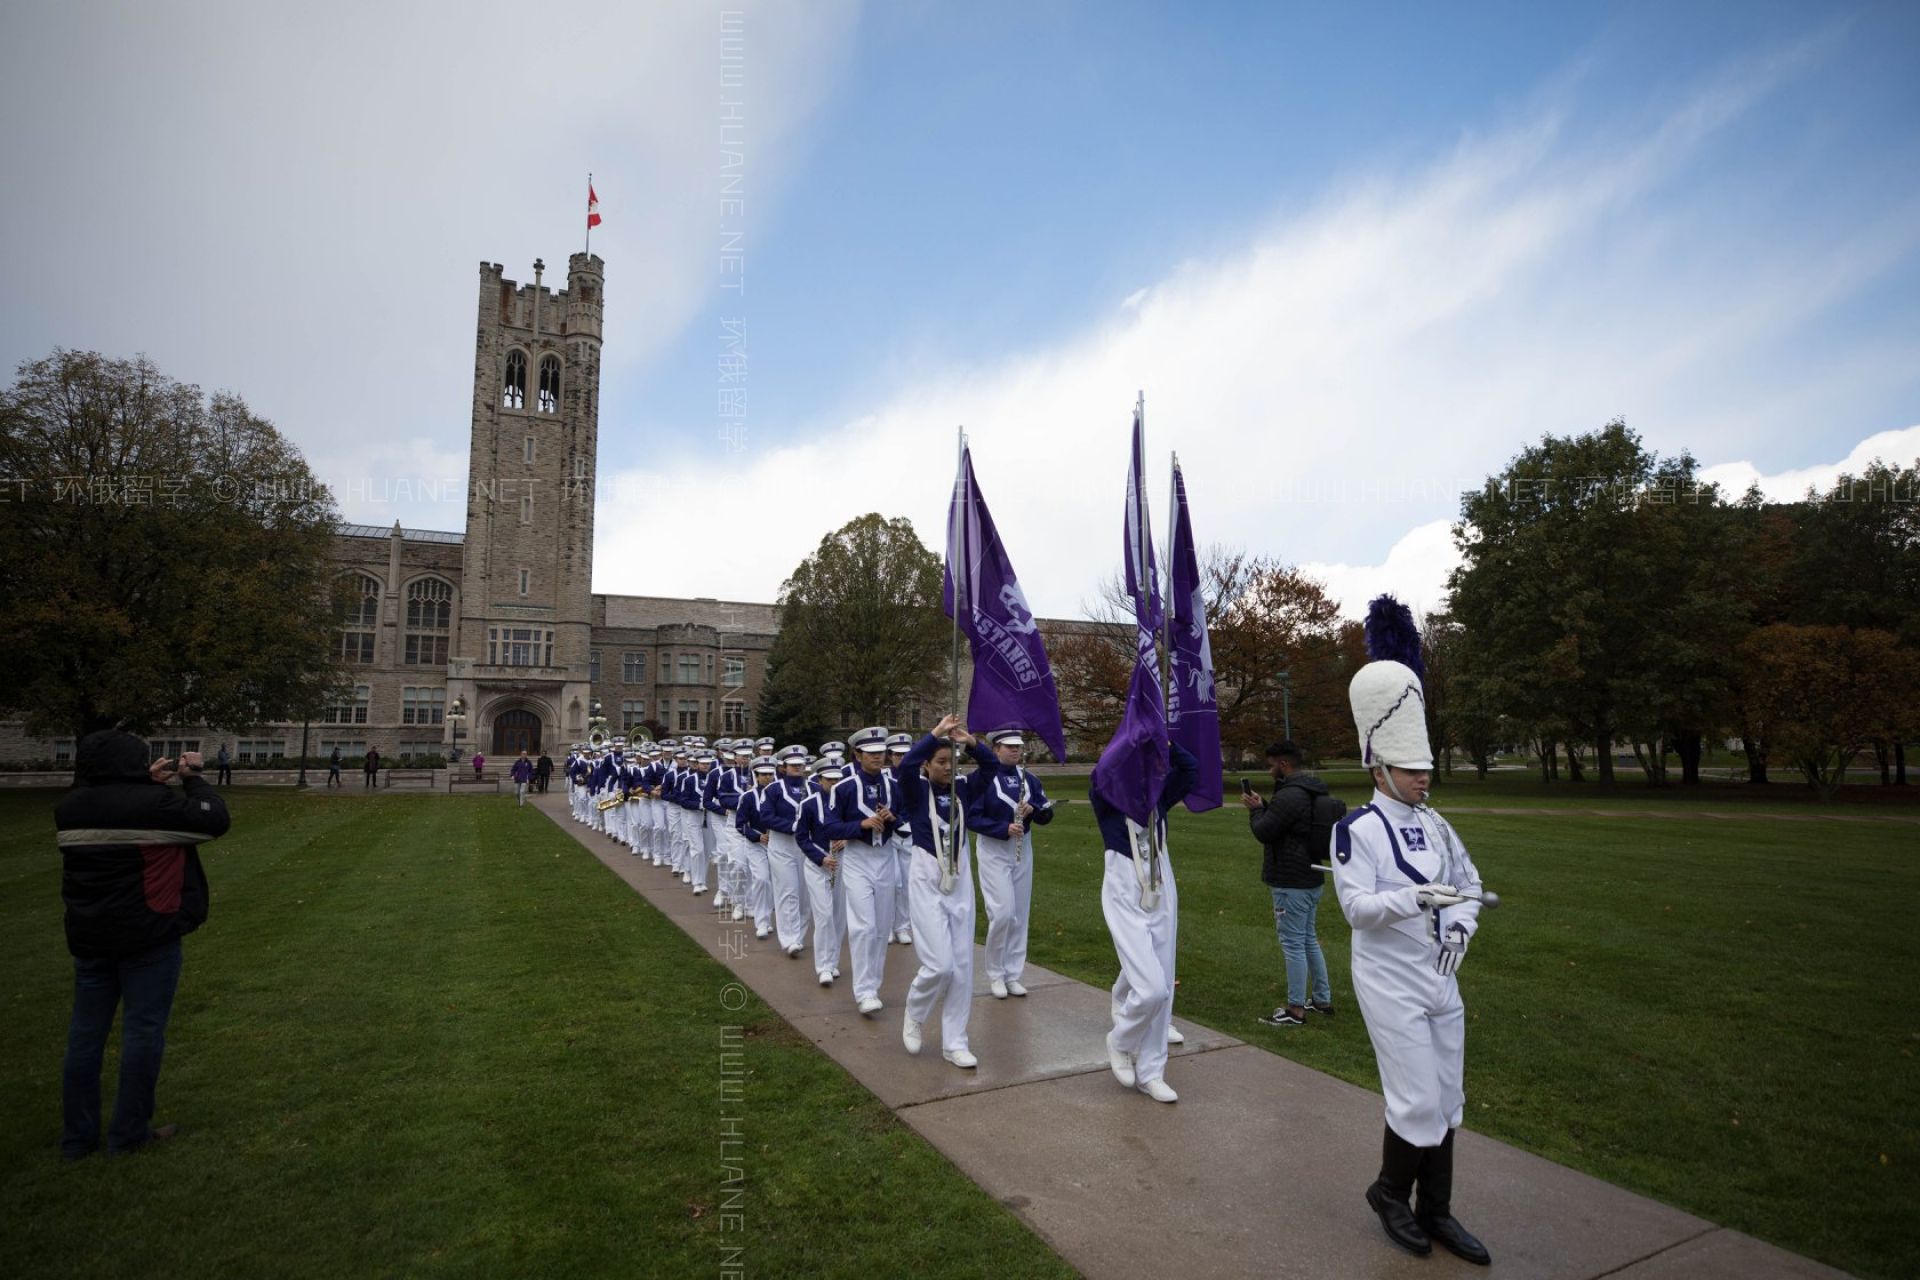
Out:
{"x": 516, "y": 731}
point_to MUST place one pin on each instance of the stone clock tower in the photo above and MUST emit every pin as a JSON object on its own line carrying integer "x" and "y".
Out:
{"x": 520, "y": 672}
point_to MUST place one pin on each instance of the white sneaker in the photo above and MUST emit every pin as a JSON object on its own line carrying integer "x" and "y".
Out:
{"x": 720, "y": 899}
{"x": 910, "y": 1035}
{"x": 1174, "y": 1036}
{"x": 871, "y": 1005}
{"x": 793, "y": 952}
{"x": 961, "y": 1058}
{"x": 761, "y": 933}
{"x": 836, "y": 971}
{"x": 699, "y": 888}
{"x": 999, "y": 989}
{"x": 905, "y": 936}
{"x": 1015, "y": 989}
{"x": 1121, "y": 1063}
{"x": 1158, "y": 1091}
{"x": 739, "y": 912}
{"x": 826, "y": 978}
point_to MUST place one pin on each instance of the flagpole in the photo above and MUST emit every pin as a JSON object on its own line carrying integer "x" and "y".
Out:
{"x": 1166, "y": 601}
{"x": 589, "y": 249}
{"x": 962, "y": 581}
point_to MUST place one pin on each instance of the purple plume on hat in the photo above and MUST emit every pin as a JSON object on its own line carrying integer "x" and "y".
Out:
{"x": 1391, "y": 635}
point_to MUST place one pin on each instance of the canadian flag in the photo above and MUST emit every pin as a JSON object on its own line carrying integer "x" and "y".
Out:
{"x": 593, "y": 207}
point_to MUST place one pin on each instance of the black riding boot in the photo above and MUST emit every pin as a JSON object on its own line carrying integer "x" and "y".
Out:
{"x": 1435, "y": 1215}
{"x": 1389, "y": 1195}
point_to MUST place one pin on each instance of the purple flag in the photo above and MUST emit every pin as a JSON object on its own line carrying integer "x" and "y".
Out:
{"x": 1193, "y": 715}
{"x": 1012, "y": 679}
{"x": 1133, "y": 768}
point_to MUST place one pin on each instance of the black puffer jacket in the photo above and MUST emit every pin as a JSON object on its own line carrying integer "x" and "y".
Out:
{"x": 1282, "y": 825}
{"x": 132, "y": 878}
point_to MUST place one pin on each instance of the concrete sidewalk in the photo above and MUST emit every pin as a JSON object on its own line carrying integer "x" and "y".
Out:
{"x": 1258, "y": 1170}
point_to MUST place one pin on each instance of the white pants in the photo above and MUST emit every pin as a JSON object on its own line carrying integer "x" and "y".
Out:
{"x": 520, "y": 793}
{"x": 740, "y": 879}
{"x": 1418, "y": 1026}
{"x": 1144, "y": 940}
{"x": 903, "y": 852}
{"x": 789, "y": 912}
{"x": 1006, "y": 883}
{"x": 640, "y": 825}
{"x": 867, "y": 873}
{"x": 759, "y": 899}
{"x": 943, "y": 943}
{"x": 827, "y": 891}
{"x": 698, "y": 849}
{"x": 573, "y": 799}
{"x": 662, "y": 851}
{"x": 677, "y": 834}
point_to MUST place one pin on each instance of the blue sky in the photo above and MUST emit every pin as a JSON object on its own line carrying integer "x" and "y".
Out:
{"x": 1356, "y": 256}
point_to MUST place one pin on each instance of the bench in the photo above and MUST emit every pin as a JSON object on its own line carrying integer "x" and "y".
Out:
{"x": 459, "y": 777}
{"x": 411, "y": 775}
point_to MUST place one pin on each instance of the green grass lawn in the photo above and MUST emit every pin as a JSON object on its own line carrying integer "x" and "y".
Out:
{"x": 1717, "y": 1013}
{"x": 422, "y": 1036}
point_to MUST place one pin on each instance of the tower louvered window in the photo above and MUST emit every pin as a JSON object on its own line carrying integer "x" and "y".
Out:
{"x": 513, "y": 388}
{"x": 549, "y": 384}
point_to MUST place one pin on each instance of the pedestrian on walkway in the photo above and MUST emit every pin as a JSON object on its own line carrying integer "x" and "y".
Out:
{"x": 522, "y": 774}
{"x": 333, "y": 769}
{"x": 479, "y": 765}
{"x": 133, "y": 885}
{"x": 1284, "y": 823}
{"x": 225, "y": 761}
{"x": 542, "y": 771}
{"x": 372, "y": 767}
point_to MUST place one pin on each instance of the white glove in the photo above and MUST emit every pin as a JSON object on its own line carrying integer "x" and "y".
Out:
{"x": 1452, "y": 949}
{"x": 1438, "y": 895}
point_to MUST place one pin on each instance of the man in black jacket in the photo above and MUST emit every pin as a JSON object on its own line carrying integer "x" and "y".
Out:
{"x": 1282, "y": 824}
{"x": 133, "y": 886}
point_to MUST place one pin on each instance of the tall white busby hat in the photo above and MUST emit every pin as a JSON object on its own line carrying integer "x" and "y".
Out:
{"x": 1389, "y": 703}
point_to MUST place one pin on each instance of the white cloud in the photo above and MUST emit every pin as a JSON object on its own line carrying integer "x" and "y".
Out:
{"x": 1338, "y": 382}
{"x": 1415, "y": 571}
{"x": 1896, "y": 448}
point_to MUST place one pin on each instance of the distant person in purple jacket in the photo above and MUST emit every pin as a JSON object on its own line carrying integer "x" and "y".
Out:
{"x": 522, "y": 774}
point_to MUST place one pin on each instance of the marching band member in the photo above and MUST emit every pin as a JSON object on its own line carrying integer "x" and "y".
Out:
{"x": 942, "y": 913}
{"x": 862, "y": 808}
{"x": 1412, "y": 895}
{"x": 753, "y": 843}
{"x": 1003, "y": 814}
{"x": 600, "y": 783}
{"x": 1143, "y": 934}
{"x": 779, "y": 812}
{"x": 826, "y": 890}
{"x": 722, "y": 798}
{"x": 656, "y": 783}
{"x": 670, "y": 780}
{"x": 692, "y": 799}
{"x": 897, "y": 747}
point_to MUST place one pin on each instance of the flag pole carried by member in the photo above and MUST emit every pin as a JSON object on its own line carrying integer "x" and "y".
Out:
{"x": 1193, "y": 712}
{"x": 593, "y": 212}
{"x": 957, "y": 555}
{"x": 1133, "y": 768}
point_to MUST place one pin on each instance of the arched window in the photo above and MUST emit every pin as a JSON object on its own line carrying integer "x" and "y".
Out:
{"x": 429, "y": 619}
{"x": 359, "y": 615}
{"x": 513, "y": 388}
{"x": 549, "y": 384}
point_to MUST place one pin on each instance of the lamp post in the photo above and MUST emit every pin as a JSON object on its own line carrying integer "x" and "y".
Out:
{"x": 301, "y": 783}
{"x": 457, "y": 716}
{"x": 1286, "y": 705}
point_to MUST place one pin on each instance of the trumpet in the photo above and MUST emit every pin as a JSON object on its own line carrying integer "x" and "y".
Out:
{"x": 611, "y": 802}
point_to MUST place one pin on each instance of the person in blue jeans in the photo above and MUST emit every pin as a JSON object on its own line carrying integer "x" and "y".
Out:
{"x": 1282, "y": 824}
{"x": 133, "y": 886}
